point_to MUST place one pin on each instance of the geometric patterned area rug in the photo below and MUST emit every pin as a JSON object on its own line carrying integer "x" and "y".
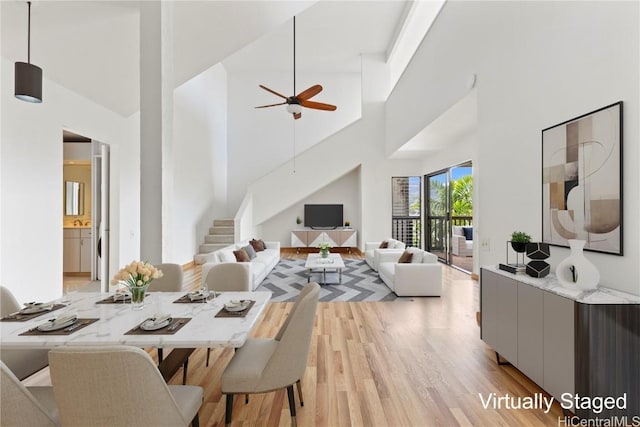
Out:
{"x": 359, "y": 282}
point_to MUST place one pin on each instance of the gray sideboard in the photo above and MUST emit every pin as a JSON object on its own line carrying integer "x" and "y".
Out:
{"x": 565, "y": 340}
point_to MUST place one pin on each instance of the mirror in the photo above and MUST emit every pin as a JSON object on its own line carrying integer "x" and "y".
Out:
{"x": 74, "y": 198}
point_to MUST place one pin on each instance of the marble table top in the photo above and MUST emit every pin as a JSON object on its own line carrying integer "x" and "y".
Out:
{"x": 550, "y": 283}
{"x": 203, "y": 330}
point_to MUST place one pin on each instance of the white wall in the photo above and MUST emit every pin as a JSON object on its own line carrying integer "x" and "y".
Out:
{"x": 538, "y": 64}
{"x": 31, "y": 190}
{"x": 262, "y": 139}
{"x": 199, "y": 161}
{"x": 345, "y": 191}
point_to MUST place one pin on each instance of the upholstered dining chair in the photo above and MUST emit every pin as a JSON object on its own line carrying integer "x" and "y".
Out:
{"x": 262, "y": 365}
{"x": 22, "y": 406}
{"x": 22, "y": 363}
{"x": 226, "y": 277}
{"x": 118, "y": 385}
{"x": 171, "y": 281}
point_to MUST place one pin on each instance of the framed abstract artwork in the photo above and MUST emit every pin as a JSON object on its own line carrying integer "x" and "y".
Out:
{"x": 582, "y": 181}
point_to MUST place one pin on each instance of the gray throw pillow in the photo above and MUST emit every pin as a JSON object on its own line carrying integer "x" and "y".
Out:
{"x": 249, "y": 250}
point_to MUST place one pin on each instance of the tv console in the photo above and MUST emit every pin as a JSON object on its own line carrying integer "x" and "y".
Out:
{"x": 338, "y": 238}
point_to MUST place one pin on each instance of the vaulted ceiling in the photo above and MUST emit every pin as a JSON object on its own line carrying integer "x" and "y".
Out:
{"x": 92, "y": 47}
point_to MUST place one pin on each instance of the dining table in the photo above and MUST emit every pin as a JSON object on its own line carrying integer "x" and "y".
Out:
{"x": 200, "y": 323}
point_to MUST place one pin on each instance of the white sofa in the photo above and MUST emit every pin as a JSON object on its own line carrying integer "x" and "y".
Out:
{"x": 459, "y": 244}
{"x": 372, "y": 251}
{"x": 258, "y": 268}
{"x": 421, "y": 277}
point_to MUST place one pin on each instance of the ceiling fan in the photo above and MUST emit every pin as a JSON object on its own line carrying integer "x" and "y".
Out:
{"x": 296, "y": 102}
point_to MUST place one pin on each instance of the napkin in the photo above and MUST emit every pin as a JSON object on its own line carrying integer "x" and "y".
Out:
{"x": 63, "y": 318}
{"x": 159, "y": 318}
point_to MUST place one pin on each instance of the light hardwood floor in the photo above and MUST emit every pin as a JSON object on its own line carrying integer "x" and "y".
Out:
{"x": 417, "y": 362}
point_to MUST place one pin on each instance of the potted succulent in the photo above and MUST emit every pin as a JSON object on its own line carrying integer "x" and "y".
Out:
{"x": 519, "y": 240}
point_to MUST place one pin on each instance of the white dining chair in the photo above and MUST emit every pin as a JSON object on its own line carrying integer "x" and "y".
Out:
{"x": 107, "y": 386}
{"x": 225, "y": 277}
{"x": 22, "y": 363}
{"x": 263, "y": 365}
{"x": 25, "y": 406}
{"x": 171, "y": 281}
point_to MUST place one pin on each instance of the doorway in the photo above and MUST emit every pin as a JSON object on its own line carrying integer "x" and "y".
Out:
{"x": 449, "y": 215}
{"x": 85, "y": 216}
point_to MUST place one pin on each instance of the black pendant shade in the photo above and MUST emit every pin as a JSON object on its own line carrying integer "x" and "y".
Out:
{"x": 28, "y": 83}
{"x": 28, "y": 77}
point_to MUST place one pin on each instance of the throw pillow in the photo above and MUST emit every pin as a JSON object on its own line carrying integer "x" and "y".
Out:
{"x": 405, "y": 258}
{"x": 468, "y": 233}
{"x": 241, "y": 255}
{"x": 417, "y": 255}
{"x": 257, "y": 245}
{"x": 384, "y": 245}
{"x": 249, "y": 250}
{"x": 226, "y": 255}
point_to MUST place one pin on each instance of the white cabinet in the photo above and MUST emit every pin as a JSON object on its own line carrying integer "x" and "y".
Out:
{"x": 312, "y": 238}
{"x": 77, "y": 250}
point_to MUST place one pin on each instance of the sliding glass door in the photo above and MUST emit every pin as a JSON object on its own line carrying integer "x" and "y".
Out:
{"x": 449, "y": 215}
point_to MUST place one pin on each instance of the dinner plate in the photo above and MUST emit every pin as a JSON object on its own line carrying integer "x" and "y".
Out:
{"x": 151, "y": 325}
{"x": 242, "y": 306}
{"x": 36, "y": 308}
{"x": 53, "y": 326}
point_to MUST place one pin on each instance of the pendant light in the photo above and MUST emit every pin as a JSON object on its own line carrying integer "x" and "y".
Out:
{"x": 28, "y": 77}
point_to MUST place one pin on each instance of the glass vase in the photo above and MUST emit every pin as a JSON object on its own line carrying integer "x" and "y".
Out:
{"x": 324, "y": 253}
{"x": 138, "y": 294}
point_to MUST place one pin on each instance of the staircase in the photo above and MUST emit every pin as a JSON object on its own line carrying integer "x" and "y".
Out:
{"x": 220, "y": 235}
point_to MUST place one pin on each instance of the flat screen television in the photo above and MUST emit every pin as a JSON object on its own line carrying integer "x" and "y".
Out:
{"x": 323, "y": 216}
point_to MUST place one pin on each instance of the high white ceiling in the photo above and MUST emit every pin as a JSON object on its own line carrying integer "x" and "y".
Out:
{"x": 92, "y": 47}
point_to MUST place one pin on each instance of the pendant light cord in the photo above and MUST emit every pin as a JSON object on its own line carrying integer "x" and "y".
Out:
{"x": 29, "y": 35}
{"x": 294, "y": 56}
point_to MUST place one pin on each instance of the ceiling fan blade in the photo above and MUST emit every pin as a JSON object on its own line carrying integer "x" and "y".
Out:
{"x": 309, "y": 93}
{"x": 272, "y": 91}
{"x": 271, "y": 105}
{"x": 296, "y": 116}
{"x": 318, "y": 105}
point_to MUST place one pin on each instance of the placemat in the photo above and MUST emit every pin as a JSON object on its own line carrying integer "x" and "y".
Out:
{"x": 184, "y": 299}
{"x": 76, "y": 326}
{"x": 110, "y": 300}
{"x": 225, "y": 313}
{"x": 174, "y": 326}
{"x": 22, "y": 317}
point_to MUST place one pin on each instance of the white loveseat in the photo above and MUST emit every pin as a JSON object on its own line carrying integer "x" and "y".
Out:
{"x": 372, "y": 251}
{"x": 255, "y": 271}
{"x": 421, "y": 277}
{"x": 460, "y": 245}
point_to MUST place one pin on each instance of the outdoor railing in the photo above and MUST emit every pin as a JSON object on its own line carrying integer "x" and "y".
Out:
{"x": 407, "y": 229}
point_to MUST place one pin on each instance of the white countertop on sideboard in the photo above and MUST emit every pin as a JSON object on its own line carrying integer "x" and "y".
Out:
{"x": 550, "y": 283}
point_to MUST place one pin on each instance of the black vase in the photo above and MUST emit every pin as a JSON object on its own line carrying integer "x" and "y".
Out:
{"x": 538, "y": 252}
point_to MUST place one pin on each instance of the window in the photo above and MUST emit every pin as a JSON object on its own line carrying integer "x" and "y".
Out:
{"x": 405, "y": 210}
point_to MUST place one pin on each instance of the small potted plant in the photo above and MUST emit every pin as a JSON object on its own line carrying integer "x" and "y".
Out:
{"x": 347, "y": 224}
{"x": 519, "y": 240}
{"x": 324, "y": 249}
{"x": 298, "y": 220}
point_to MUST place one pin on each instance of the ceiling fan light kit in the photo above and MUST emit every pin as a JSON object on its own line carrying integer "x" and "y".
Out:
{"x": 296, "y": 102}
{"x": 28, "y": 77}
